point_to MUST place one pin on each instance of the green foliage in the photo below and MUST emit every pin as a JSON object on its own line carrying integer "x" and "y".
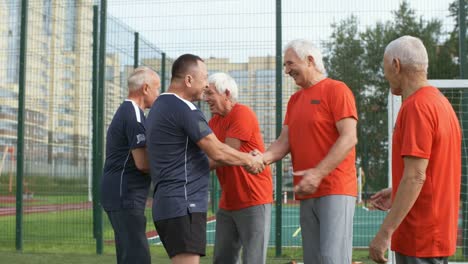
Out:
{"x": 355, "y": 57}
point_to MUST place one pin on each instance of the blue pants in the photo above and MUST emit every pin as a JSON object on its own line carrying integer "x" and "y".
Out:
{"x": 131, "y": 244}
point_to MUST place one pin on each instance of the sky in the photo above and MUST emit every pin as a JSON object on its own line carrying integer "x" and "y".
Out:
{"x": 238, "y": 29}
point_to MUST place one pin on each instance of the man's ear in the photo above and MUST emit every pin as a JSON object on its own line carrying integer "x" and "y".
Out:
{"x": 228, "y": 93}
{"x": 145, "y": 88}
{"x": 310, "y": 61}
{"x": 396, "y": 65}
{"x": 188, "y": 80}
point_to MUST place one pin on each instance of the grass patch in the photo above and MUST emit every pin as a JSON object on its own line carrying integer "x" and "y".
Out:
{"x": 158, "y": 255}
{"x": 46, "y": 185}
{"x": 41, "y": 199}
{"x": 67, "y": 237}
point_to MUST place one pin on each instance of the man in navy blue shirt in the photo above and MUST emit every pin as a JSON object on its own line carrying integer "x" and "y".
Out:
{"x": 178, "y": 137}
{"x": 125, "y": 182}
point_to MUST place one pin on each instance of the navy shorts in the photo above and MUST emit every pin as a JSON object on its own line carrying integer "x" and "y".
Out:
{"x": 185, "y": 234}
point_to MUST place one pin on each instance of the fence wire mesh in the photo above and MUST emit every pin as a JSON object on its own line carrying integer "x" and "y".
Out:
{"x": 233, "y": 36}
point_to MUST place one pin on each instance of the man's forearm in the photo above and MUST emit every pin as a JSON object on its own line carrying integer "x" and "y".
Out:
{"x": 338, "y": 152}
{"x": 414, "y": 176}
{"x": 275, "y": 152}
{"x": 406, "y": 195}
{"x": 229, "y": 156}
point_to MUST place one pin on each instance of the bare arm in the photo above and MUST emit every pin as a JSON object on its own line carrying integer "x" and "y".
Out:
{"x": 279, "y": 148}
{"x": 233, "y": 143}
{"x": 141, "y": 159}
{"x": 382, "y": 200}
{"x": 414, "y": 175}
{"x": 346, "y": 141}
{"x": 225, "y": 155}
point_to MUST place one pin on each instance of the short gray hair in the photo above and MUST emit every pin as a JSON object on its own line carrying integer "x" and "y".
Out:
{"x": 410, "y": 51}
{"x": 223, "y": 82}
{"x": 138, "y": 77}
{"x": 305, "y": 48}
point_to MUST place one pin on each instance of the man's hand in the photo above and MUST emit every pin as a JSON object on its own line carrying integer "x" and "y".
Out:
{"x": 378, "y": 246}
{"x": 257, "y": 165}
{"x": 382, "y": 200}
{"x": 309, "y": 183}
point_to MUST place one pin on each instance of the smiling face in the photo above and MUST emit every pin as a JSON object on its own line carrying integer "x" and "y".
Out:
{"x": 297, "y": 68}
{"x": 218, "y": 102}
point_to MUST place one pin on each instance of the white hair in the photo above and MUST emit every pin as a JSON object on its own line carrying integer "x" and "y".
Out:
{"x": 410, "y": 51}
{"x": 223, "y": 82}
{"x": 305, "y": 48}
{"x": 140, "y": 76}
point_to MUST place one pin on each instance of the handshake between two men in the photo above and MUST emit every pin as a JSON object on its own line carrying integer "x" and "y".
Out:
{"x": 257, "y": 164}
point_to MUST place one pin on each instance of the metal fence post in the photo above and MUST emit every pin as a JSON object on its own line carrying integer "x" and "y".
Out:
{"x": 94, "y": 114}
{"x": 163, "y": 72}
{"x": 464, "y": 123}
{"x": 135, "y": 50}
{"x": 21, "y": 121}
{"x": 99, "y": 159}
{"x": 279, "y": 120}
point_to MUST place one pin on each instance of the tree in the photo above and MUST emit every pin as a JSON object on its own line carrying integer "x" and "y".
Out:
{"x": 451, "y": 47}
{"x": 356, "y": 58}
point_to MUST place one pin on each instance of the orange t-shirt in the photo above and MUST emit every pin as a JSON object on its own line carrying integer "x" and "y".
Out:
{"x": 311, "y": 118}
{"x": 241, "y": 189}
{"x": 428, "y": 128}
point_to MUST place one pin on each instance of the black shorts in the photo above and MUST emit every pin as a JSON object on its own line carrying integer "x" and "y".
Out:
{"x": 185, "y": 234}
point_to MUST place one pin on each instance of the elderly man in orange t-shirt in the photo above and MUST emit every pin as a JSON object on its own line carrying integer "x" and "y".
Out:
{"x": 243, "y": 220}
{"x": 426, "y": 164}
{"x": 320, "y": 132}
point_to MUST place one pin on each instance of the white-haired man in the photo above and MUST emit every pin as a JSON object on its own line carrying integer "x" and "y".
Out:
{"x": 426, "y": 164}
{"x": 243, "y": 220}
{"x": 320, "y": 133}
{"x": 125, "y": 182}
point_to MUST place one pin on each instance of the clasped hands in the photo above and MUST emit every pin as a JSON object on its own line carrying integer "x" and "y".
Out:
{"x": 256, "y": 162}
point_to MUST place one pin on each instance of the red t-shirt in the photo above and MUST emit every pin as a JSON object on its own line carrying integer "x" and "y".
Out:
{"x": 311, "y": 118}
{"x": 428, "y": 128}
{"x": 241, "y": 189}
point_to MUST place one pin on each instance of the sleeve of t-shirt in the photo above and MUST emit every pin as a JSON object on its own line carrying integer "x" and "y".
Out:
{"x": 342, "y": 103}
{"x": 135, "y": 129}
{"x": 242, "y": 124}
{"x": 286, "y": 117}
{"x": 416, "y": 132}
{"x": 195, "y": 125}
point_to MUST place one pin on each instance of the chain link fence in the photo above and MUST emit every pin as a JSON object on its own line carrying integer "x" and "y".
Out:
{"x": 238, "y": 37}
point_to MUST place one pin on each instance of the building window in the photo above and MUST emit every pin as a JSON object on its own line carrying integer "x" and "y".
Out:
{"x": 66, "y": 123}
{"x": 46, "y": 17}
{"x": 265, "y": 77}
{"x": 241, "y": 78}
{"x": 68, "y": 74}
{"x": 14, "y": 16}
{"x": 67, "y": 85}
{"x": 70, "y": 25}
{"x": 110, "y": 73}
{"x": 5, "y": 93}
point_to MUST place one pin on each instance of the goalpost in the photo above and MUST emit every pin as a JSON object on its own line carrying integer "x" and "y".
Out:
{"x": 456, "y": 92}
